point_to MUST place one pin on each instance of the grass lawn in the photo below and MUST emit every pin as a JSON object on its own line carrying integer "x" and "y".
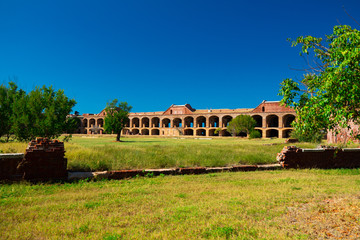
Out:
{"x": 102, "y": 153}
{"x": 298, "y": 204}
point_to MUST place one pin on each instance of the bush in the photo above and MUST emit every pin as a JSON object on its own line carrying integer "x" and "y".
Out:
{"x": 314, "y": 138}
{"x": 255, "y": 134}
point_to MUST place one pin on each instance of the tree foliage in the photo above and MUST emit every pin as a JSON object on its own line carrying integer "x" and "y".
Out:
{"x": 41, "y": 113}
{"x": 242, "y": 123}
{"x": 328, "y": 95}
{"x": 7, "y": 97}
{"x": 117, "y": 115}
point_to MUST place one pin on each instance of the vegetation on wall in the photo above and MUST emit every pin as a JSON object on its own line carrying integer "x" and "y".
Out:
{"x": 39, "y": 113}
{"x": 328, "y": 96}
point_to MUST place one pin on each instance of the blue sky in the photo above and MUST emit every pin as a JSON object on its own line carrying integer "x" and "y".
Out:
{"x": 211, "y": 54}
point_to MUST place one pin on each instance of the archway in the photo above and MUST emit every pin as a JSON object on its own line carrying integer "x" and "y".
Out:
{"x": 145, "y": 122}
{"x": 272, "y": 121}
{"x": 226, "y": 120}
{"x": 200, "y": 132}
{"x": 201, "y": 121}
{"x": 189, "y": 122}
{"x": 177, "y": 122}
{"x": 135, "y": 122}
{"x": 165, "y": 123}
{"x": 258, "y": 119}
{"x": 144, "y": 131}
{"x": 92, "y": 122}
{"x": 212, "y": 132}
{"x": 155, "y": 132}
{"x": 288, "y": 119}
{"x": 214, "y": 121}
{"x": 272, "y": 133}
{"x": 100, "y": 122}
{"x": 189, "y": 132}
{"x": 155, "y": 122}
{"x": 135, "y": 131}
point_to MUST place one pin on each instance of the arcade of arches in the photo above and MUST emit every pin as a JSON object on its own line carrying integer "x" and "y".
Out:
{"x": 272, "y": 120}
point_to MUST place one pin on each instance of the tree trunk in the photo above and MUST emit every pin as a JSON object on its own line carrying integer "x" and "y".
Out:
{"x": 118, "y": 136}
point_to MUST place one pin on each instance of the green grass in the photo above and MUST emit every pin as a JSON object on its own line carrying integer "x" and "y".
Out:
{"x": 102, "y": 153}
{"x": 298, "y": 204}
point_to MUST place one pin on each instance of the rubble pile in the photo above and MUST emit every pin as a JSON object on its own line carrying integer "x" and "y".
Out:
{"x": 44, "y": 160}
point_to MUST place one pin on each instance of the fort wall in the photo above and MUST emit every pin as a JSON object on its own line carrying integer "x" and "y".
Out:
{"x": 272, "y": 120}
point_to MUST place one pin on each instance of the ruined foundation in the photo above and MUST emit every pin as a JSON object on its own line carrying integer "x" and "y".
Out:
{"x": 44, "y": 160}
{"x": 324, "y": 157}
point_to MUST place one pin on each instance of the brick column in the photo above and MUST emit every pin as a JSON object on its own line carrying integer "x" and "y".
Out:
{"x": 280, "y": 121}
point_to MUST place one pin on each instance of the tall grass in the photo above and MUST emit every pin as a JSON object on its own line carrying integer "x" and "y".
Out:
{"x": 102, "y": 153}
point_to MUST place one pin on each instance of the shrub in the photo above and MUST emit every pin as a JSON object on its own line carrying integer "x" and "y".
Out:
{"x": 255, "y": 134}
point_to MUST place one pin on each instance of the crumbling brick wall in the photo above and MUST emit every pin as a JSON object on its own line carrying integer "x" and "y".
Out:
{"x": 44, "y": 160}
{"x": 324, "y": 157}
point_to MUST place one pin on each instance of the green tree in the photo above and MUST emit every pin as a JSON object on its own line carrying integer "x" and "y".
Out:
{"x": 41, "y": 113}
{"x": 7, "y": 98}
{"x": 328, "y": 96}
{"x": 117, "y": 115}
{"x": 242, "y": 123}
{"x": 72, "y": 124}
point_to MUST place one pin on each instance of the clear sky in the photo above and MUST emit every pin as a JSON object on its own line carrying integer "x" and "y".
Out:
{"x": 210, "y": 54}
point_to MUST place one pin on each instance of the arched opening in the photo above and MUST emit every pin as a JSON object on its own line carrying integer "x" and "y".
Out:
{"x": 201, "y": 121}
{"x": 145, "y": 122}
{"x": 288, "y": 119}
{"x": 135, "y": 131}
{"x": 155, "y": 132}
{"x": 144, "y": 131}
{"x": 286, "y": 133}
{"x": 155, "y": 122}
{"x": 214, "y": 121}
{"x": 189, "y": 132}
{"x": 258, "y": 119}
{"x": 272, "y": 121}
{"x": 189, "y": 122}
{"x": 165, "y": 123}
{"x": 92, "y": 122}
{"x": 225, "y": 133}
{"x": 200, "y": 132}
{"x": 135, "y": 122}
{"x": 226, "y": 120}
{"x": 242, "y": 134}
{"x": 271, "y": 133}
{"x": 85, "y": 123}
{"x": 212, "y": 132}
{"x": 100, "y": 122}
{"x": 177, "y": 122}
